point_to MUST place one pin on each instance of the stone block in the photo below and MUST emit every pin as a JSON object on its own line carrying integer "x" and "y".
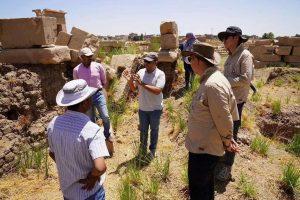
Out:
{"x": 168, "y": 55}
{"x": 263, "y": 49}
{"x": 77, "y": 39}
{"x": 110, "y": 72}
{"x": 27, "y": 32}
{"x": 121, "y": 62}
{"x": 296, "y": 51}
{"x": 283, "y": 50}
{"x": 263, "y": 42}
{"x": 169, "y": 27}
{"x": 50, "y": 55}
{"x": 59, "y": 15}
{"x": 289, "y": 41}
{"x": 92, "y": 42}
{"x": 63, "y": 38}
{"x": 269, "y": 58}
{"x": 169, "y": 41}
{"x": 74, "y": 54}
{"x": 292, "y": 59}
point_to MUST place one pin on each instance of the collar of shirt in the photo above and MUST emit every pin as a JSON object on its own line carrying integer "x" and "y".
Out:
{"x": 207, "y": 73}
{"x": 153, "y": 72}
{"x": 79, "y": 114}
{"x": 238, "y": 49}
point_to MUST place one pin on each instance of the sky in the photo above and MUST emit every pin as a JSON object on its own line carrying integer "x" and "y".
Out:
{"x": 117, "y": 17}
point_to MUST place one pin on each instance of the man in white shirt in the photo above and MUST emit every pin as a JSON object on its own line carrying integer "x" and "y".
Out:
{"x": 150, "y": 82}
{"x": 77, "y": 145}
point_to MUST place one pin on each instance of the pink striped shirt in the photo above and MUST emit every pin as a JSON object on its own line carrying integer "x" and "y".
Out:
{"x": 93, "y": 75}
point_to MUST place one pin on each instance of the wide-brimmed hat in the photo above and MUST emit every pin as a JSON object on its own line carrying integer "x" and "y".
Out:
{"x": 74, "y": 92}
{"x": 205, "y": 51}
{"x": 232, "y": 31}
{"x": 152, "y": 56}
{"x": 86, "y": 52}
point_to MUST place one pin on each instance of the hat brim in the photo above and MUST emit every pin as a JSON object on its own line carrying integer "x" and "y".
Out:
{"x": 148, "y": 59}
{"x": 62, "y": 101}
{"x": 224, "y": 34}
{"x": 215, "y": 61}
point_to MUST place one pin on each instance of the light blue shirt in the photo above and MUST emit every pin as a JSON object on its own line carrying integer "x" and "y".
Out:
{"x": 147, "y": 100}
{"x": 76, "y": 142}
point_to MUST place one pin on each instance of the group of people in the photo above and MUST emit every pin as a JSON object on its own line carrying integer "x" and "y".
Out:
{"x": 79, "y": 146}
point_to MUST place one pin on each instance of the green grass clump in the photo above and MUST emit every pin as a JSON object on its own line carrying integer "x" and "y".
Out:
{"x": 152, "y": 188}
{"x": 162, "y": 168}
{"x": 126, "y": 190}
{"x": 260, "y": 145}
{"x": 294, "y": 145}
{"x": 256, "y": 97}
{"x": 291, "y": 177}
{"x": 276, "y": 107}
{"x": 184, "y": 175}
{"x": 278, "y": 82}
{"x": 259, "y": 84}
{"x": 247, "y": 187}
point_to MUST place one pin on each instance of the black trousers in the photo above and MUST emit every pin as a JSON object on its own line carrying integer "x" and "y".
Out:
{"x": 201, "y": 176}
{"x": 229, "y": 156}
{"x": 189, "y": 74}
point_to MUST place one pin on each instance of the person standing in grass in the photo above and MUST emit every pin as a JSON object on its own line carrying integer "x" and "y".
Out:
{"x": 77, "y": 145}
{"x": 150, "y": 82}
{"x": 94, "y": 74}
{"x": 210, "y": 121}
{"x": 238, "y": 69}
{"x": 187, "y": 45}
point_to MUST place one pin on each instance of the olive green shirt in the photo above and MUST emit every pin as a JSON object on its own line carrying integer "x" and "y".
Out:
{"x": 212, "y": 112}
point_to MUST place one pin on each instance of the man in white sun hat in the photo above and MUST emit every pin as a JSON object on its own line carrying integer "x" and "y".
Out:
{"x": 77, "y": 145}
{"x": 94, "y": 74}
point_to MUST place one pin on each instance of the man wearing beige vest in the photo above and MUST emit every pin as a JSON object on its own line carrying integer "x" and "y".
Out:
{"x": 210, "y": 121}
{"x": 238, "y": 69}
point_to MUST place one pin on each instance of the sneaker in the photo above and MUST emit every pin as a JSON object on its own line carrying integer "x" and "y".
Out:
{"x": 224, "y": 174}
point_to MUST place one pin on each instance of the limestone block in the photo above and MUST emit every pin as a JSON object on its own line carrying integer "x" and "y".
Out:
{"x": 110, "y": 72}
{"x": 50, "y": 55}
{"x": 120, "y": 62}
{"x": 269, "y": 58}
{"x": 283, "y": 50}
{"x": 168, "y": 55}
{"x": 74, "y": 54}
{"x": 263, "y": 42}
{"x": 92, "y": 42}
{"x": 63, "y": 38}
{"x": 296, "y": 51}
{"x": 292, "y": 59}
{"x": 59, "y": 15}
{"x": 168, "y": 27}
{"x": 289, "y": 41}
{"x": 27, "y": 32}
{"x": 169, "y": 41}
{"x": 263, "y": 49}
{"x": 77, "y": 39}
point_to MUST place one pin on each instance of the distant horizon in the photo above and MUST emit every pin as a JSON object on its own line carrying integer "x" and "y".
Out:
{"x": 120, "y": 17}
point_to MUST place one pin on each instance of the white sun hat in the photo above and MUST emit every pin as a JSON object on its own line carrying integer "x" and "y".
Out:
{"x": 74, "y": 92}
{"x": 86, "y": 52}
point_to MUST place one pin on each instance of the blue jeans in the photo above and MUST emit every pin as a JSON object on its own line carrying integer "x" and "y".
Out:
{"x": 99, "y": 195}
{"x": 99, "y": 103}
{"x": 149, "y": 118}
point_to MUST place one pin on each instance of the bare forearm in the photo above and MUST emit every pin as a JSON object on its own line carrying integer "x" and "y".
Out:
{"x": 131, "y": 85}
{"x": 152, "y": 89}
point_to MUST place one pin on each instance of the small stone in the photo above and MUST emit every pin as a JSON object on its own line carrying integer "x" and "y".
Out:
{"x": 9, "y": 157}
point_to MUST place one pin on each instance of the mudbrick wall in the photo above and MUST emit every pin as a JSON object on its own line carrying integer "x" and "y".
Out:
{"x": 27, "y": 97}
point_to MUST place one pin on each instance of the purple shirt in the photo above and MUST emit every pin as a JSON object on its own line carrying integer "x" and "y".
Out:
{"x": 93, "y": 75}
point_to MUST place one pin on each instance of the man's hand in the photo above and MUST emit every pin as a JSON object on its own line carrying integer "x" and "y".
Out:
{"x": 233, "y": 146}
{"x": 89, "y": 182}
{"x": 128, "y": 75}
{"x": 137, "y": 79}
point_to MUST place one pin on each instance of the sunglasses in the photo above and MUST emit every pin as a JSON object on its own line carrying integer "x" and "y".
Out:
{"x": 146, "y": 61}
